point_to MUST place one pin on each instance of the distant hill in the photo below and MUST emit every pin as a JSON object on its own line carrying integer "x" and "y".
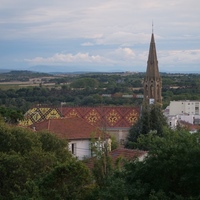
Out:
{"x": 20, "y": 75}
{"x": 71, "y": 69}
{"x": 4, "y": 71}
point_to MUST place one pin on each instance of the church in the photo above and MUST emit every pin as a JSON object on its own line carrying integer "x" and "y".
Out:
{"x": 152, "y": 82}
{"x": 115, "y": 120}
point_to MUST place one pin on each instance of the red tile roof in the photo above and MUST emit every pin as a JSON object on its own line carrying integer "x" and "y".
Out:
{"x": 69, "y": 128}
{"x": 126, "y": 154}
{"x": 189, "y": 126}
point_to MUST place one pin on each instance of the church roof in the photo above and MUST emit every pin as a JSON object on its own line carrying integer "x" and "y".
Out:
{"x": 101, "y": 116}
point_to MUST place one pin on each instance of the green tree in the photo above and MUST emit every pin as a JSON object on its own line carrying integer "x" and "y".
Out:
{"x": 171, "y": 168}
{"x": 170, "y": 171}
{"x": 85, "y": 82}
{"x": 10, "y": 115}
{"x": 70, "y": 180}
{"x": 151, "y": 119}
{"x": 28, "y": 161}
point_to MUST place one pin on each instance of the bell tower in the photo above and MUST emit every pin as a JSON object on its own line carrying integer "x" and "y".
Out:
{"x": 152, "y": 81}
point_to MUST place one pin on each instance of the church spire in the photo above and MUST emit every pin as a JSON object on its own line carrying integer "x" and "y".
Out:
{"x": 152, "y": 80}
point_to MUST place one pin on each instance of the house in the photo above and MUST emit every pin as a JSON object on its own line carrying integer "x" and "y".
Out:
{"x": 116, "y": 120}
{"x": 120, "y": 154}
{"x": 192, "y": 128}
{"x": 128, "y": 154}
{"x": 77, "y": 132}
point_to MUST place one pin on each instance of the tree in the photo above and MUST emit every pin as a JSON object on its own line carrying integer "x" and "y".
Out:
{"x": 170, "y": 171}
{"x": 70, "y": 180}
{"x": 171, "y": 168}
{"x": 10, "y": 115}
{"x": 28, "y": 161}
{"x": 151, "y": 119}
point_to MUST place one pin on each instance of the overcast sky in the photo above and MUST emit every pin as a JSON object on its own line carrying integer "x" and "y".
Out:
{"x": 99, "y": 35}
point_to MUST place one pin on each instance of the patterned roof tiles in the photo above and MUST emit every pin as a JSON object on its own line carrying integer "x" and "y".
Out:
{"x": 101, "y": 116}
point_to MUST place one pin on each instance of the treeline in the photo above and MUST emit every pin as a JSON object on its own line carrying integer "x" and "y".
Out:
{"x": 87, "y": 90}
{"x": 24, "y": 98}
{"x": 20, "y": 75}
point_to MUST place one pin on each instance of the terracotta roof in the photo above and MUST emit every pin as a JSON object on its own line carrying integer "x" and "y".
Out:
{"x": 189, "y": 126}
{"x": 69, "y": 128}
{"x": 127, "y": 154}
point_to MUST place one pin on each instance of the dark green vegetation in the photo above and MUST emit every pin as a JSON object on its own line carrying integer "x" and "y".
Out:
{"x": 151, "y": 119}
{"x": 39, "y": 166}
{"x": 11, "y": 116}
{"x": 20, "y": 76}
{"x": 170, "y": 171}
{"x": 87, "y": 89}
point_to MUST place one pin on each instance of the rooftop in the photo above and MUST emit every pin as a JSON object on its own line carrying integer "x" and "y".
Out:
{"x": 69, "y": 128}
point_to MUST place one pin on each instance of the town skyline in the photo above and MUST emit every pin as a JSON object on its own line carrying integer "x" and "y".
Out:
{"x": 99, "y": 36}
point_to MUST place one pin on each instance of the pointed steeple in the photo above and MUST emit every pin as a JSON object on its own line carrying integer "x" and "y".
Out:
{"x": 152, "y": 81}
{"x": 152, "y": 63}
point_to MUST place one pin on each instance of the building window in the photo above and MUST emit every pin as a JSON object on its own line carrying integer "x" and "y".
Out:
{"x": 73, "y": 148}
{"x": 196, "y": 110}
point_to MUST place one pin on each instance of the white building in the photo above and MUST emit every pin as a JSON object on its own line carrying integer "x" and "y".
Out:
{"x": 172, "y": 121}
{"x": 183, "y": 111}
{"x": 77, "y": 132}
{"x": 184, "y": 107}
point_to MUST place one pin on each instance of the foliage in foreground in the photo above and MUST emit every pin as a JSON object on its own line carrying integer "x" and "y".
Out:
{"x": 39, "y": 166}
{"x": 151, "y": 119}
{"x": 170, "y": 171}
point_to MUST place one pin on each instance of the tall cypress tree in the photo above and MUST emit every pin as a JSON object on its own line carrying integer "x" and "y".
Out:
{"x": 151, "y": 119}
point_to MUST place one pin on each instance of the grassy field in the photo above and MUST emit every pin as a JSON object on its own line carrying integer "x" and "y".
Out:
{"x": 18, "y": 85}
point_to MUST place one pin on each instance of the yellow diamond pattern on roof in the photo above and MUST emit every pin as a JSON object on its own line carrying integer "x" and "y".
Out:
{"x": 92, "y": 117}
{"x": 113, "y": 117}
{"x": 53, "y": 114}
{"x": 132, "y": 117}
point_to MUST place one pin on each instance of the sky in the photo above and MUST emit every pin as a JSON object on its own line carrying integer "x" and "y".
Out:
{"x": 99, "y": 35}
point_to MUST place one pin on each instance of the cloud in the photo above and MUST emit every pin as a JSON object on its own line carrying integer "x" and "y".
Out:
{"x": 83, "y": 19}
{"x": 97, "y": 32}
{"x": 87, "y": 44}
{"x": 180, "y": 56}
{"x": 64, "y": 59}
{"x": 123, "y": 38}
{"x": 124, "y": 53}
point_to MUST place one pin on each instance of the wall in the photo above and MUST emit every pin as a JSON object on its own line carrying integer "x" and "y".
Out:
{"x": 184, "y": 107}
{"x": 82, "y": 148}
{"x": 119, "y": 133}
